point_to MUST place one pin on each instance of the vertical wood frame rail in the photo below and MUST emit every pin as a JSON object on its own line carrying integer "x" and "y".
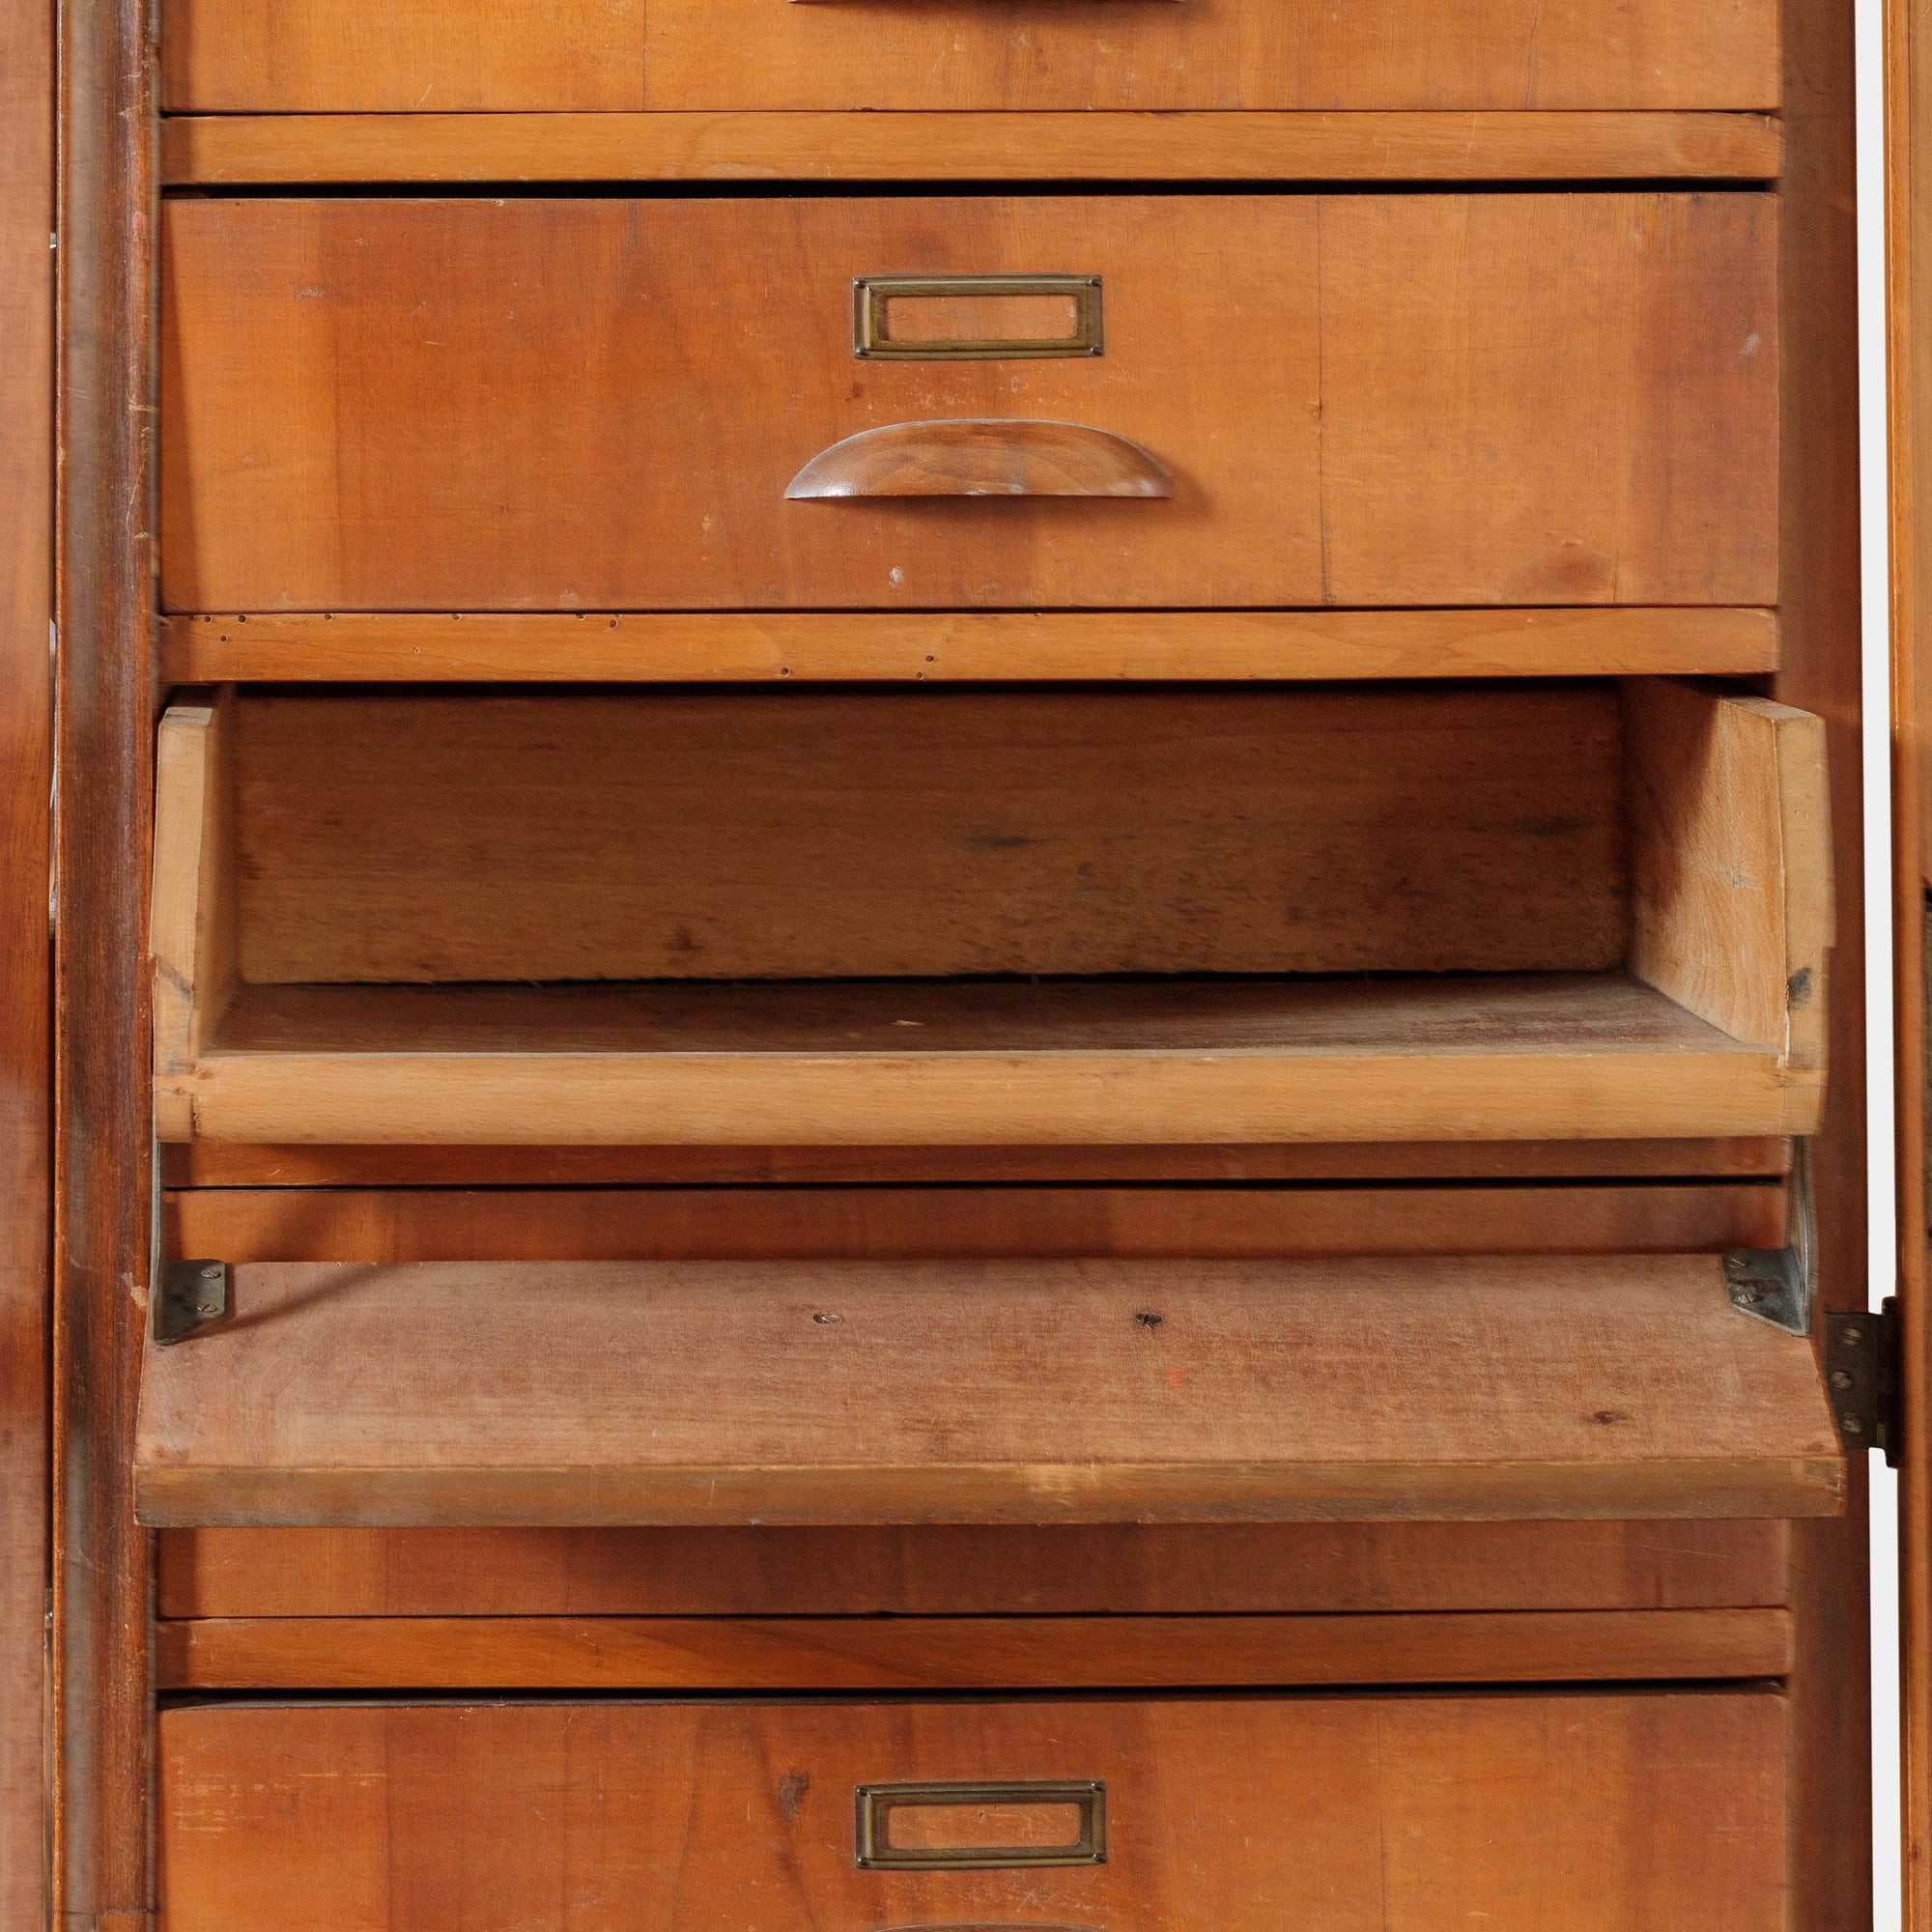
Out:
{"x": 1821, "y": 672}
{"x": 102, "y": 1195}
{"x": 26, "y": 753}
{"x": 1831, "y": 1792}
{"x": 1908, "y": 262}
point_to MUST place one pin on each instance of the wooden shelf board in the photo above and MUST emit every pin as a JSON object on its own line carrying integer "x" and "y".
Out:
{"x": 925, "y": 1223}
{"x": 315, "y": 1652}
{"x": 746, "y": 148}
{"x": 238, "y": 1165}
{"x": 705, "y": 647}
{"x": 1501, "y": 1387}
{"x": 929, "y": 1062}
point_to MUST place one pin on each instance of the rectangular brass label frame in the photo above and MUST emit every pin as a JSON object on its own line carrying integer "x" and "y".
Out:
{"x": 871, "y": 295}
{"x": 876, "y": 1803}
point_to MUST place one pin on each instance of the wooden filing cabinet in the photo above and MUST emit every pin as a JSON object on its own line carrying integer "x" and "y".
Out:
{"x": 1001, "y": 1051}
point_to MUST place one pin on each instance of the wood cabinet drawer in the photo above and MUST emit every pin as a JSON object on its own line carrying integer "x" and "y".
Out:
{"x": 445, "y": 55}
{"x": 989, "y": 917}
{"x": 601, "y": 404}
{"x": 1596, "y": 1813}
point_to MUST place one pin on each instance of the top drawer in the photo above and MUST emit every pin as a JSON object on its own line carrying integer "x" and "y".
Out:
{"x": 445, "y": 55}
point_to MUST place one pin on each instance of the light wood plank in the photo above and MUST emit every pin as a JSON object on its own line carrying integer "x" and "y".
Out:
{"x": 1634, "y": 1811}
{"x": 1732, "y": 863}
{"x": 964, "y": 1569}
{"x": 984, "y": 1392}
{"x": 192, "y": 931}
{"x": 419, "y": 1223}
{"x": 262, "y": 149}
{"x": 809, "y": 834}
{"x": 963, "y": 1653}
{"x": 980, "y": 647}
{"x": 1532, "y": 1058}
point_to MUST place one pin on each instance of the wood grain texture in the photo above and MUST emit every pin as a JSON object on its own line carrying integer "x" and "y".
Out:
{"x": 1634, "y": 1809}
{"x": 443, "y": 54}
{"x": 963, "y": 1653}
{"x": 1223, "y": 53}
{"x": 1067, "y": 1568}
{"x": 1822, "y": 673}
{"x": 634, "y": 381}
{"x": 102, "y": 1711}
{"x": 563, "y": 55}
{"x": 982, "y": 646}
{"x": 192, "y": 931}
{"x": 812, "y": 833}
{"x": 1907, "y": 116}
{"x": 982, "y": 1392}
{"x": 344, "y": 1224}
{"x": 1534, "y": 1057}
{"x": 26, "y": 782}
{"x": 390, "y": 838}
{"x": 1732, "y": 863}
{"x": 222, "y": 1164}
{"x": 267, "y": 149}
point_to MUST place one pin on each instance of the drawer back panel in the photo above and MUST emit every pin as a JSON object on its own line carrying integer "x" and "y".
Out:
{"x": 811, "y": 833}
{"x": 600, "y": 404}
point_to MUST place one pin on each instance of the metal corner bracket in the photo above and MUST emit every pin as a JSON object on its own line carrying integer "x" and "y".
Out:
{"x": 1777, "y": 1285}
{"x": 188, "y": 1296}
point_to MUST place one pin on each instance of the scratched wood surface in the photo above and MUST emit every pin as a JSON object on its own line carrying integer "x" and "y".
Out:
{"x": 807, "y": 834}
{"x": 1633, "y": 1809}
{"x": 633, "y": 383}
{"x": 1097, "y": 1391}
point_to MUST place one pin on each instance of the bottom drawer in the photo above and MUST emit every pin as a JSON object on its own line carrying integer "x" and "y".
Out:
{"x": 1588, "y": 1812}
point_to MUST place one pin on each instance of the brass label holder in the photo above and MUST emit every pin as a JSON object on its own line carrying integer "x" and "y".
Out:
{"x": 872, "y": 295}
{"x": 876, "y": 1803}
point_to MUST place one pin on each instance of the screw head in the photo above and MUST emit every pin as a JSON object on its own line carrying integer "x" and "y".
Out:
{"x": 1840, "y": 1379}
{"x": 1851, "y": 1425}
{"x": 212, "y": 1273}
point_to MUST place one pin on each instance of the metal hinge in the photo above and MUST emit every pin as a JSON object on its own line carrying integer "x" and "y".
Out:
{"x": 1775, "y": 1284}
{"x": 188, "y": 1296}
{"x": 1862, "y": 1371}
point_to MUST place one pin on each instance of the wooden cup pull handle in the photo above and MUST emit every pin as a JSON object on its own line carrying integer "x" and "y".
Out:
{"x": 982, "y": 457}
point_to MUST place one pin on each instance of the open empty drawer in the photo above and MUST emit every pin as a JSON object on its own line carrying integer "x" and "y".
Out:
{"x": 991, "y": 916}
{"x": 1015, "y": 1391}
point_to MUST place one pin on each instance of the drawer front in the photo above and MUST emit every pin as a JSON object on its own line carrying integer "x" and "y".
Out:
{"x": 1213, "y": 54}
{"x": 445, "y": 55}
{"x": 1593, "y": 1812}
{"x": 1393, "y": 400}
